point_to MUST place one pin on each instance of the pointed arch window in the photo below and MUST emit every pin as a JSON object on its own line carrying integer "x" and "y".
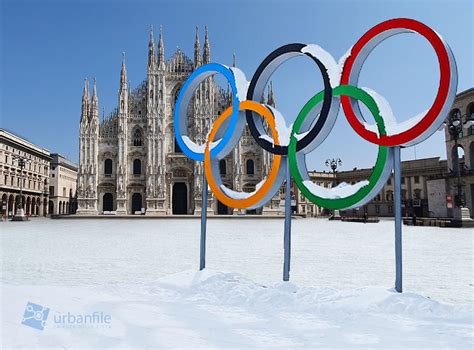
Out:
{"x": 137, "y": 167}
{"x": 250, "y": 167}
{"x": 176, "y": 93}
{"x": 223, "y": 167}
{"x": 177, "y": 149}
{"x": 108, "y": 167}
{"x": 137, "y": 137}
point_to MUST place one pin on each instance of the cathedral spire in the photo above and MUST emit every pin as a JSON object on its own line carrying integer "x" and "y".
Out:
{"x": 85, "y": 93}
{"x": 161, "y": 50}
{"x": 206, "y": 56}
{"x": 151, "y": 51}
{"x": 85, "y": 101}
{"x": 95, "y": 103}
{"x": 94, "y": 93}
{"x": 197, "y": 50}
{"x": 271, "y": 98}
{"x": 123, "y": 74}
{"x": 233, "y": 59}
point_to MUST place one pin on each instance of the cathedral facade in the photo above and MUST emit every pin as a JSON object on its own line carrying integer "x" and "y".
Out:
{"x": 130, "y": 162}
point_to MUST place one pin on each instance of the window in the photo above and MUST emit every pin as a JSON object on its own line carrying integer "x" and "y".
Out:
{"x": 417, "y": 179}
{"x": 64, "y": 191}
{"x": 137, "y": 137}
{"x": 250, "y": 167}
{"x": 377, "y": 209}
{"x": 417, "y": 194}
{"x": 177, "y": 149}
{"x": 404, "y": 194}
{"x": 470, "y": 116}
{"x": 108, "y": 167}
{"x": 51, "y": 190}
{"x": 176, "y": 94}
{"x": 389, "y": 182}
{"x": 223, "y": 167}
{"x": 137, "y": 167}
{"x": 403, "y": 180}
{"x": 389, "y": 196}
{"x": 390, "y": 209}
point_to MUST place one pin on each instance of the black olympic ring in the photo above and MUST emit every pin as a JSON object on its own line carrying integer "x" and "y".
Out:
{"x": 257, "y": 84}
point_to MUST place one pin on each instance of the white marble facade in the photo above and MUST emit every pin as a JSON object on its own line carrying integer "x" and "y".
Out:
{"x": 129, "y": 161}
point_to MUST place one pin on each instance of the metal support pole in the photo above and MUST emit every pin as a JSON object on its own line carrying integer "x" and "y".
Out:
{"x": 287, "y": 235}
{"x": 202, "y": 259}
{"x": 397, "y": 175}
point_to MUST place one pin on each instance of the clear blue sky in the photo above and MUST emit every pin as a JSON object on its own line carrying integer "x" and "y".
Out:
{"x": 48, "y": 47}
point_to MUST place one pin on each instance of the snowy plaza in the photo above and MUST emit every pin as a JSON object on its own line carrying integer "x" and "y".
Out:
{"x": 144, "y": 274}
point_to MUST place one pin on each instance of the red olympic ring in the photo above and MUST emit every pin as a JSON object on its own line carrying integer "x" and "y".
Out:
{"x": 364, "y": 45}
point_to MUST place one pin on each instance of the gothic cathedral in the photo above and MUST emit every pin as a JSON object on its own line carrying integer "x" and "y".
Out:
{"x": 130, "y": 163}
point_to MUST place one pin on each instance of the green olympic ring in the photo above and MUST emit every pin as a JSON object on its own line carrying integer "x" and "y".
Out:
{"x": 378, "y": 177}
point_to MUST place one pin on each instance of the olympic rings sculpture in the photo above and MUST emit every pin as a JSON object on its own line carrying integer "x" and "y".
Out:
{"x": 315, "y": 120}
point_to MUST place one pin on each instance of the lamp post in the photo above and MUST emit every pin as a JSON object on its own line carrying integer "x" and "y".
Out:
{"x": 333, "y": 164}
{"x": 455, "y": 125}
{"x": 20, "y": 212}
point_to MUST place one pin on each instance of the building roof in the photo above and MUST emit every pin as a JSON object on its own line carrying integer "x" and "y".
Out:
{"x": 23, "y": 143}
{"x": 465, "y": 92}
{"x": 59, "y": 159}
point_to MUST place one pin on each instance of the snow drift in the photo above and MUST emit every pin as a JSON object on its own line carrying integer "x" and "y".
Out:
{"x": 218, "y": 310}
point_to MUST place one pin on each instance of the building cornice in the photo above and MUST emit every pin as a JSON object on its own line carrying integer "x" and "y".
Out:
{"x": 465, "y": 92}
{"x": 19, "y": 142}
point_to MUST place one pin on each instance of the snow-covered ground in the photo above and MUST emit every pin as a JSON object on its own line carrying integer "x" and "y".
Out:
{"x": 143, "y": 274}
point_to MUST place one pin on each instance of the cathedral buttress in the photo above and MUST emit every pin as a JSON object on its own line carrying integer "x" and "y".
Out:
{"x": 88, "y": 151}
{"x": 162, "y": 112}
{"x": 151, "y": 124}
{"x": 122, "y": 140}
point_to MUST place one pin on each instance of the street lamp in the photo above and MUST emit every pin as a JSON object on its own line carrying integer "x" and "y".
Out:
{"x": 455, "y": 126}
{"x": 20, "y": 212}
{"x": 333, "y": 164}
